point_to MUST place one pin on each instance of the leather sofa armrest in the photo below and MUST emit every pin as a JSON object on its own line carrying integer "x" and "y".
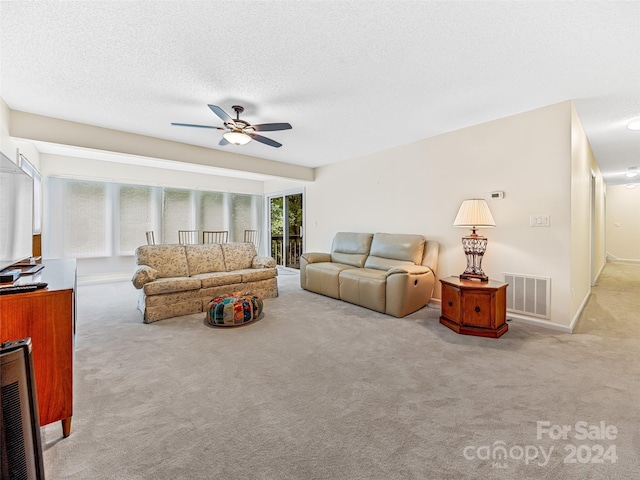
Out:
{"x": 316, "y": 257}
{"x": 410, "y": 269}
{"x": 144, "y": 274}
{"x": 263, "y": 262}
{"x": 308, "y": 258}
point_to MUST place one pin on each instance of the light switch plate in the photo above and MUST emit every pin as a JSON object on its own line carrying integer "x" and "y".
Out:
{"x": 539, "y": 221}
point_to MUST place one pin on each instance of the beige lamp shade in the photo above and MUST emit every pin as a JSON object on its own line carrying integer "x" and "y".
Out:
{"x": 474, "y": 213}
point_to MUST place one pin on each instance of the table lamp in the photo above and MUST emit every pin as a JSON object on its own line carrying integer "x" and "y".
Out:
{"x": 474, "y": 213}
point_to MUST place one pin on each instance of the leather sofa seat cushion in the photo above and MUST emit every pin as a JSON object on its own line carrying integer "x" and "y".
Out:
{"x": 351, "y": 248}
{"x": 323, "y": 278}
{"x": 204, "y": 258}
{"x": 238, "y": 256}
{"x": 168, "y": 260}
{"x": 364, "y": 286}
{"x": 216, "y": 279}
{"x": 168, "y": 285}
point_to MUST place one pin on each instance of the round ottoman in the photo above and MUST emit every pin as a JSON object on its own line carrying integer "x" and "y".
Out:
{"x": 233, "y": 310}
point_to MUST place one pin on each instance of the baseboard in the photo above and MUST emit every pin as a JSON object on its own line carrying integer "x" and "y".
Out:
{"x": 611, "y": 258}
{"x": 103, "y": 278}
{"x": 539, "y": 323}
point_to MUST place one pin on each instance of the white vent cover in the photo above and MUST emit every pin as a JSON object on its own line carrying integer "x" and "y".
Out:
{"x": 528, "y": 294}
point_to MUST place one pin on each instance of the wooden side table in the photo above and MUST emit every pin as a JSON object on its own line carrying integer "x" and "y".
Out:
{"x": 474, "y": 308}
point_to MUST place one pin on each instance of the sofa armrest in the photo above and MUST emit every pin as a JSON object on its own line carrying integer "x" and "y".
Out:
{"x": 144, "y": 274}
{"x": 316, "y": 257}
{"x": 409, "y": 288}
{"x": 263, "y": 262}
{"x": 308, "y": 258}
{"x": 410, "y": 269}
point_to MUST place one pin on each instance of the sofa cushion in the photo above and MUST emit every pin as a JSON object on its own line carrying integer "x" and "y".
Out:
{"x": 393, "y": 250}
{"x": 204, "y": 258}
{"x": 323, "y": 278}
{"x": 380, "y": 263}
{"x": 168, "y": 260}
{"x": 167, "y": 285}
{"x": 364, "y": 286}
{"x": 253, "y": 274}
{"x": 215, "y": 279}
{"x": 238, "y": 256}
{"x": 351, "y": 248}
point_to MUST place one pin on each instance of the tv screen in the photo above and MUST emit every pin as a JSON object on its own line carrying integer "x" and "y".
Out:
{"x": 16, "y": 213}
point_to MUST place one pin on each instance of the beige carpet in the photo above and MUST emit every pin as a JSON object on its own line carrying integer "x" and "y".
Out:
{"x": 321, "y": 389}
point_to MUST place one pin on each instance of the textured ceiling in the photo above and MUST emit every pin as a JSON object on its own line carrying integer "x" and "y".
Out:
{"x": 352, "y": 77}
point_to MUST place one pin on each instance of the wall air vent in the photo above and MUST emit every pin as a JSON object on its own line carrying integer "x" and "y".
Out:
{"x": 528, "y": 295}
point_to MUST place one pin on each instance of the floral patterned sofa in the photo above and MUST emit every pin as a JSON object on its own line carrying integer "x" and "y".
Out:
{"x": 181, "y": 279}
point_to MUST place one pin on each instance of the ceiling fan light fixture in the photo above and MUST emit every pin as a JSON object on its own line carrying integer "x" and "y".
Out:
{"x": 237, "y": 138}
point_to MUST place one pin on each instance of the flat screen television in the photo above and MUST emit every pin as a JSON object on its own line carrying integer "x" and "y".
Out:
{"x": 16, "y": 213}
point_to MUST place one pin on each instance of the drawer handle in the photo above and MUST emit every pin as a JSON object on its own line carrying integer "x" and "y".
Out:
{"x": 450, "y": 303}
{"x": 477, "y": 309}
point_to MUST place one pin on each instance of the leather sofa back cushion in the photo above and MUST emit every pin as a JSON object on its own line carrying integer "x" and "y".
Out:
{"x": 168, "y": 260}
{"x": 351, "y": 248}
{"x": 238, "y": 256}
{"x": 390, "y": 250}
{"x": 205, "y": 258}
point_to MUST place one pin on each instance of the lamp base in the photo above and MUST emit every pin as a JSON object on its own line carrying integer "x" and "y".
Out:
{"x": 474, "y": 276}
{"x": 474, "y": 247}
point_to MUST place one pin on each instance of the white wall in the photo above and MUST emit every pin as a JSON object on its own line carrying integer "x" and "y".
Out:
{"x": 98, "y": 170}
{"x": 418, "y": 188}
{"x": 587, "y": 212}
{"x": 11, "y": 146}
{"x": 623, "y": 223}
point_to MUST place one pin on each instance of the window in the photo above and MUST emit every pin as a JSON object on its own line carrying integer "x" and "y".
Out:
{"x": 136, "y": 216}
{"x": 98, "y": 219}
{"x": 177, "y": 214}
{"x": 79, "y": 221}
{"x": 30, "y": 170}
{"x": 246, "y": 212}
{"x": 213, "y": 211}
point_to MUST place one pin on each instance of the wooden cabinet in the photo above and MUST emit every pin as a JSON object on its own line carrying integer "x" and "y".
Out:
{"x": 474, "y": 308}
{"x": 47, "y": 316}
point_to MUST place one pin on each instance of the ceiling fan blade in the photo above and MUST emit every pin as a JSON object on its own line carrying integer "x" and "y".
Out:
{"x": 223, "y": 141}
{"x": 265, "y": 140}
{"x": 198, "y": 126}
{"x": 271, "y": 127}
{"x": 221, "y": 113}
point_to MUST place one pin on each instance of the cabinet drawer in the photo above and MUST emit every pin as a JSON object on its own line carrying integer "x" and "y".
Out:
{"x": 451, "y": 302}
{"x": 476, "y": 309}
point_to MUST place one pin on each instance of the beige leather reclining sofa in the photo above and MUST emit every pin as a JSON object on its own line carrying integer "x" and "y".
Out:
{"x": 389, "y": 273}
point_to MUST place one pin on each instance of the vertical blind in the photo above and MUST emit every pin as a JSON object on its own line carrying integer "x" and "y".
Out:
{"x": 101, "y": 219}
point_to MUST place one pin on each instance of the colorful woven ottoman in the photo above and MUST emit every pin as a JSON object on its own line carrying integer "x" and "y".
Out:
{"x": 233, "y": 310}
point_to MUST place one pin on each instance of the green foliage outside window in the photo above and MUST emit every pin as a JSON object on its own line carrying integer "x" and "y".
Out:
{"x": 294, "y": 206}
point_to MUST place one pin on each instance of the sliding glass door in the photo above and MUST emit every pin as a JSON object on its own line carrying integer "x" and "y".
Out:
{"x": 285, "y": 227}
